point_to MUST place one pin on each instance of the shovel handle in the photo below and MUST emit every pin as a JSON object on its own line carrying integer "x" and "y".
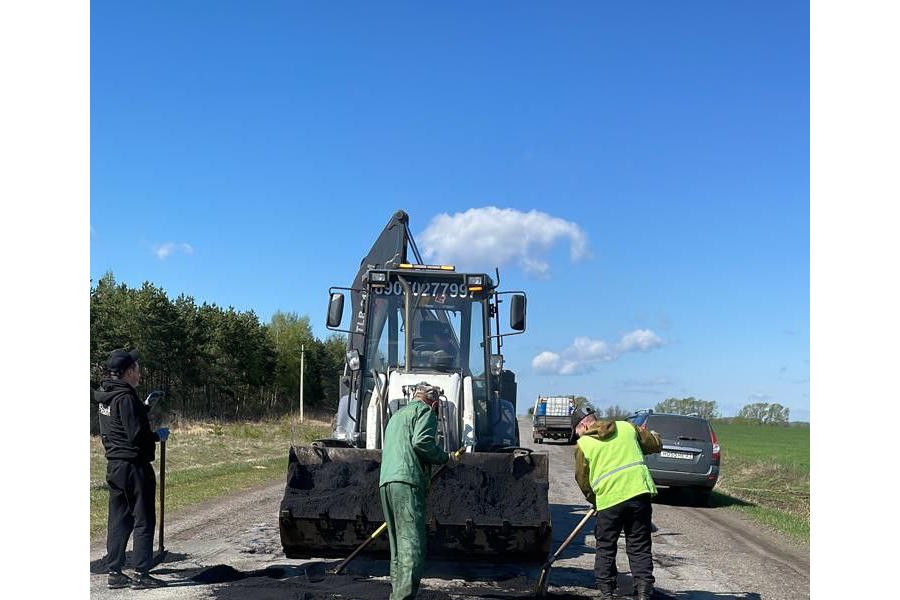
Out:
{"x": 359, "y": 548}
{"x": 457, "y": 454}
{"x": 572, "y": 535}
{"x": 162, "y": 493}
{"x": 543, "y": 580}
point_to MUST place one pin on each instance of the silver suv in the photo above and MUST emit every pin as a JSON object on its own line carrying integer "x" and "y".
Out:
{"x": 690, "y": 452}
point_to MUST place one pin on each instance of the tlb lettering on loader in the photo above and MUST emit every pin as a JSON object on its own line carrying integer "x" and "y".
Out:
{"x": 414, "y": 324}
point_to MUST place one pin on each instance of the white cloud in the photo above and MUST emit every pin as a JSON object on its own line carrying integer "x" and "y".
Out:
{"x": 640, "y": 339}
{"x": 585, "y": 353}
{"x": 163, "y": 251}
{"x": 759, "y": 397}
{"x": 546, "y": 362}
{"x": 499, "y": 237}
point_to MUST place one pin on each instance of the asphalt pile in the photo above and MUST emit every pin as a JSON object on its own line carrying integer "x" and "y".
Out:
{"x": 486, "y": 489}
{"x": 342, "y": 489}
{"x": 488, "y": 496}
{"x": 227, "y": 573}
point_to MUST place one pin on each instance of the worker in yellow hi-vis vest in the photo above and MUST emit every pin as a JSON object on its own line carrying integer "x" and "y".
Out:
{"x": 610, "y": 470}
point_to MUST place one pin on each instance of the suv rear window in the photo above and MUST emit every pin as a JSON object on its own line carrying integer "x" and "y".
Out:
{"x": 674, "y": 426}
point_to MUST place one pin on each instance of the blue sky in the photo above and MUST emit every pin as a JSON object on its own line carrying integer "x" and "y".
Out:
{"x": 642, "y": 172}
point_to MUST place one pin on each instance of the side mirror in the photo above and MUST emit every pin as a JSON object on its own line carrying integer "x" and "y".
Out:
{"x": 335, "y": 310}
{"x": 517, "y": 312}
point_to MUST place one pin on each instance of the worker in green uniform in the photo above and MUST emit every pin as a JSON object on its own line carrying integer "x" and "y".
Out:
{"x": 410, "y": 448}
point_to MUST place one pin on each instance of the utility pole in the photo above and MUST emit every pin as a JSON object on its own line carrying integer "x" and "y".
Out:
{"x": 302, "y": 357}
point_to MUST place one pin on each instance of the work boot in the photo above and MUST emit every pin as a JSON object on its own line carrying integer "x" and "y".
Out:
{"x": 607, "y": 590}
{"x": 146, "y": 581}
{"x": 643, "y": 590}
{"x": 117, "y": 580}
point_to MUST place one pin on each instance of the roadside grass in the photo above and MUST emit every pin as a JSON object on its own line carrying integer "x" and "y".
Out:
{"x": 765, "y": 475}
{"x": 209, "y": 460}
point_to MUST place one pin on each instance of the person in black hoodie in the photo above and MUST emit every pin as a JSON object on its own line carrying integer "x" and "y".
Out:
{"x": 130, "y": 447}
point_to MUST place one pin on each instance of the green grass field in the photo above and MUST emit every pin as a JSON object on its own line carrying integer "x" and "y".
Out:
{"x": 205, "y": 461}
{"x": 765, "y": 474}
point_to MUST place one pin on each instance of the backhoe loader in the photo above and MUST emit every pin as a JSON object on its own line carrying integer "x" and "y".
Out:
{"x": 413, "y": 324}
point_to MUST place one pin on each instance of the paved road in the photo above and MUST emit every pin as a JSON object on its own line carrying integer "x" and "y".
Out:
{"x": 230, "y": 549}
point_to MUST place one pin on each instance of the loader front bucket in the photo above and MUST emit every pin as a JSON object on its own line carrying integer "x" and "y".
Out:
{"x": 491, "y": 506}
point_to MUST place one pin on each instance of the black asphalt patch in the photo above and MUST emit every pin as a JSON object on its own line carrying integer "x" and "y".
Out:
{"x": 227, "y": 574}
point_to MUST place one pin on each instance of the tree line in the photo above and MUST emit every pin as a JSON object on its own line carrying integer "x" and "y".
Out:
{"x": 213, "y": 362}
{"x": 762, "y": 413}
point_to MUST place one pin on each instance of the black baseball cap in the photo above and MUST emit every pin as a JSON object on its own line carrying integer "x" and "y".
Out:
{"x": 119, "y": 360}
{"x": 581, "y": 413}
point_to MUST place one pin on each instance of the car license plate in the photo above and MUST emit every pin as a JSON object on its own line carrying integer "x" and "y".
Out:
{"x": 670, "y": 454}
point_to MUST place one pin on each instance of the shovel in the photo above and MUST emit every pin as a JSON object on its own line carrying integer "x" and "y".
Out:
{"x": 359, "y": 549}
{"x": 381, "y": 529}
{"x": 161, "y": 553}
{"x": 151, "y": 402}
{"x": 540, "y": 590}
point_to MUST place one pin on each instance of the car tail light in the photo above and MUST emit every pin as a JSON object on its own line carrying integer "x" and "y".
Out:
{"x": 715, "y": 443}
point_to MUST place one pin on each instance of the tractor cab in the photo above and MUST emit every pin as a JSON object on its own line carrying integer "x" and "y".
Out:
{"x": 430, "y": 323}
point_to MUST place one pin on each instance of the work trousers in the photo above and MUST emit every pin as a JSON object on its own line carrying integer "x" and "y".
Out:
{"x": 404, "y": 513}
{"x": 632, "y": 516}
{"x": 132, "y": 509}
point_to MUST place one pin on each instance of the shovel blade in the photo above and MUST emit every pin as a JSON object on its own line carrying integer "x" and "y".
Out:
{"x": 540, "y": 589}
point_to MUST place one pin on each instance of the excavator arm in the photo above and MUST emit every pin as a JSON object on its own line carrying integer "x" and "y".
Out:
{"x": 388, "y": 251}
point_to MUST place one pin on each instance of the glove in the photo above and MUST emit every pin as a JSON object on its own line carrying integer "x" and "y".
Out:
{"x": 163, "y": 433}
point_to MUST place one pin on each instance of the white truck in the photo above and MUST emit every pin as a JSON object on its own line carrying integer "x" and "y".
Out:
{"x": 553, "y": 419}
